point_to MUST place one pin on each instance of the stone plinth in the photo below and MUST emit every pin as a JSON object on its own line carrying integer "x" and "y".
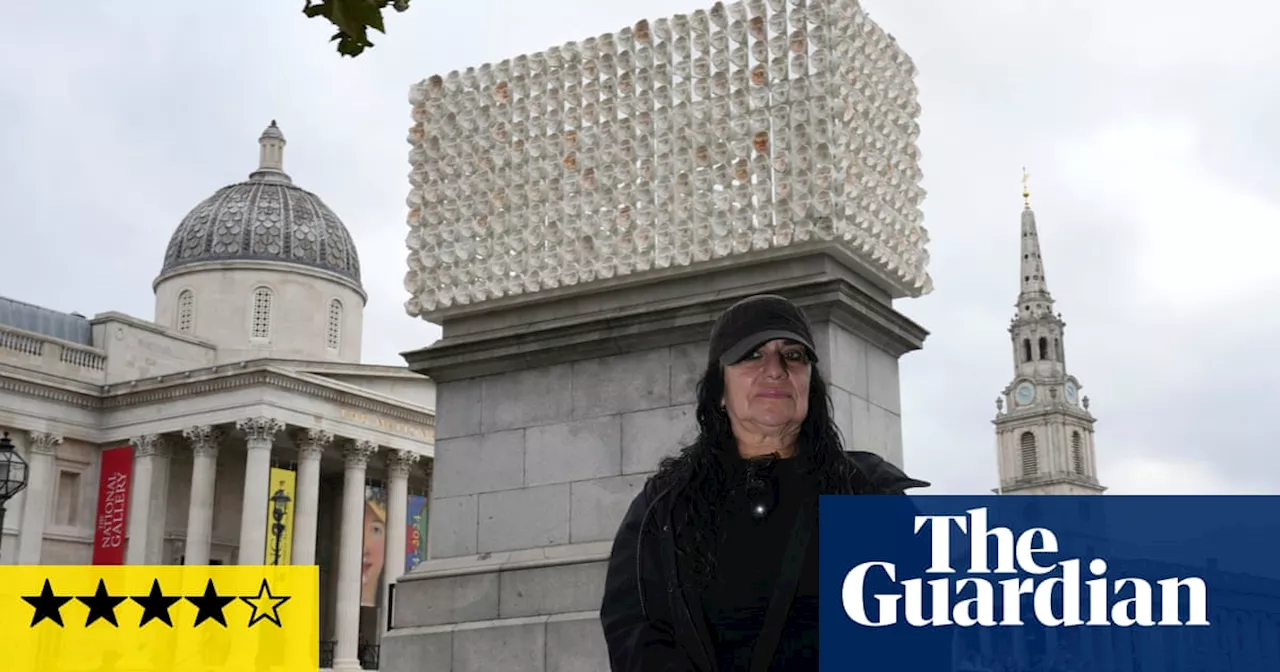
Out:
{"x": 578, "y": 219}
{"x": 553, "y": 410}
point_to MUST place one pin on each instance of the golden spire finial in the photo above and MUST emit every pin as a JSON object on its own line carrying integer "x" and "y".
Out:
{"x": 1026, "y": 192}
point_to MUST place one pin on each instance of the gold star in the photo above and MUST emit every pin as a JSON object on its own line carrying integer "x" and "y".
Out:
{"x": 265, "y": 605}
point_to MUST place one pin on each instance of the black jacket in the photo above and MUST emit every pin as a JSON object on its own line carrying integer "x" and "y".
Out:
{"x": 648, "y": 618}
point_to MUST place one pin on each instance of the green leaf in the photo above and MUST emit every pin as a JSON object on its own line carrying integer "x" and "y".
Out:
{"x": 313, "y": 10}
{"x": 353, "y": 18}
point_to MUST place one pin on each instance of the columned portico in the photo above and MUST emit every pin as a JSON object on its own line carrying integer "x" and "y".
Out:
{"x": 311, "y": 446}
{"x": 351, "y": 640}
{"x": 148, "y": 500}
{"x": 260, "y": 435}
{"x": 347, "y": 619}
{"x": 41, "y": 448}
{"x": 204, "y": 449}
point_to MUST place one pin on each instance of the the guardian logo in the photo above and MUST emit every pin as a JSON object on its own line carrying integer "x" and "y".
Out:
{"x": 971, "y": 601}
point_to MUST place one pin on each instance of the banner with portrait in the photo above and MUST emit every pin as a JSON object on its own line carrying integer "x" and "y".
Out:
{"x": 415, "y": 538}
{"x": 375, "y": 545}
{"x": 281, "y": 500}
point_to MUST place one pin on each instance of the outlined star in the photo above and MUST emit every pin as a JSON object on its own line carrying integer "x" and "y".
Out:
{"x": 102, "y": 605}
{"x": 47, "y": 605}
{"x": 210, "y": 605}
{"x": 155, "y": 605}
{"x": 272, "y": 602}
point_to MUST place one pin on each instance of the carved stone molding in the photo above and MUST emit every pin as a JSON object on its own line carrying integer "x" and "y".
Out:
{"x": 400, "y": 463}
{"x": 260, "y": 431}
{"x": 44, "y": 442}
{"x": 311, "y": 443}
{"x": 150, "y": 445}
{"x": 357, "y": 453}
{"x": 204, "y": 440}
{"x": 222, "y": 378}
{"x": 211, "y": 380}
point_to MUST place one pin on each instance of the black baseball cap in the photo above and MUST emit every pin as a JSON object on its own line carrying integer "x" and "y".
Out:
{"x": 756, "y": 320}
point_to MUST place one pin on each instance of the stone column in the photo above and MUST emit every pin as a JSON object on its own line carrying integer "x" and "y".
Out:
{"x": 399, "y": 464}
{"x": 259, "y": 434}
{"x": 204, "y": 470}
{"x": 351, "y": 556}
{"x": 42, "y": 448}
{"x": 149, "y": 450}
{"x": 311, "y": 445}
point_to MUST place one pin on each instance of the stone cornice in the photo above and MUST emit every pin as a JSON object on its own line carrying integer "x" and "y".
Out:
{"x": 645, "y": 316}
{"x": 219, "y": 265}
{"x": 49, "y": 390}
{"x": 1022, "y": 483}
{"x": 1030, "y": 416}
{"x": 204, "y": 381}
{"x": 139, "y": 323}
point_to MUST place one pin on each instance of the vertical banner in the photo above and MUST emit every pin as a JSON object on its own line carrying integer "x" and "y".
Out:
{"x": 375, "y": 545}
{"x": 113, "y": 506}
{"x": 280, "y": 505}
{"x": 415, "y": 538}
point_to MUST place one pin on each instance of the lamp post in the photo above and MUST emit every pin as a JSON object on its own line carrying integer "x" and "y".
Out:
{"x": 279, "y": 506}
{"x": 13, "y": 475}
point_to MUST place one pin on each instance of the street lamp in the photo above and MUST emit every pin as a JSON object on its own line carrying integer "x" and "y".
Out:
{"x": 13, "y": 475}
{"x": 279, "y": 505}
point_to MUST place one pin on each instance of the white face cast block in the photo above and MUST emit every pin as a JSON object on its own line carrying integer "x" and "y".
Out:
{"x": 755, "y": 125}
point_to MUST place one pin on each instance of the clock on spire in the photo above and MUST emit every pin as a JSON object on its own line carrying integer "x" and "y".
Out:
{"x": 1044, "y": 434}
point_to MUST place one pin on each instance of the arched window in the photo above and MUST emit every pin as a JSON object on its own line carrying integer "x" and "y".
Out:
{"x": 1030, "y": 461}
{"x": 186, "y": 310}
{"x": 1026, "y": 349}
{"x": 334, "y": 338}
{"x": 1044, "y": 348}
{"x": 1077, "y": 452}
{"x": 261, "y": 327}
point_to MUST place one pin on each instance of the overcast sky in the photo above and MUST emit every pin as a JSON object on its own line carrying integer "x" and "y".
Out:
{"x": 1150, "y": 131}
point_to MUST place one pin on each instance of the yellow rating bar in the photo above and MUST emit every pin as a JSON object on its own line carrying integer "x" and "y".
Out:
{"x": 100, "y": 618}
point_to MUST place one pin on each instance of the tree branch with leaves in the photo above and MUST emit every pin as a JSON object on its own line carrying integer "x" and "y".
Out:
{"x": 353, "y": 19}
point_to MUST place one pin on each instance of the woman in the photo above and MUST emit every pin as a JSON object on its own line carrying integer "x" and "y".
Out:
{"x": 375, "y": 545}
{"x": 717, "y": 544}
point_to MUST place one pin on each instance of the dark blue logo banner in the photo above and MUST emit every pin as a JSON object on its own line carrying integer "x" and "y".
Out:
{"x": 1050, "y": 584}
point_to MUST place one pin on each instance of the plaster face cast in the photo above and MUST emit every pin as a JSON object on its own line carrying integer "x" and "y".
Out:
{"x": 970, "y": 601}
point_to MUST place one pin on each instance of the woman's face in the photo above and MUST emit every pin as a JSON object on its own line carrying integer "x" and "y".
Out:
{"x": 768, "y": 392}
{"x": 374, "y": 554}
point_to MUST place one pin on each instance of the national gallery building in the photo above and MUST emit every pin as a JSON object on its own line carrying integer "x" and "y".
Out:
{"x": 237, "y": 426}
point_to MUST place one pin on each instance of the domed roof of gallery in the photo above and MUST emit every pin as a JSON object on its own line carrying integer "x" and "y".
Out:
{"x": 265, "y": 218}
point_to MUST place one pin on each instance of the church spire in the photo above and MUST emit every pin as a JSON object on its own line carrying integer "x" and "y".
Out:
{"x": 271, "y": 155}
{"x": 1034, "y": 299}
{"x": 1026, "y": 192}
{"x": 1044, "y": 430}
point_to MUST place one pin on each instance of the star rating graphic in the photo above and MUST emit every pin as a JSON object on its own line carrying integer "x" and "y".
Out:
{"x": 102, "y": 605}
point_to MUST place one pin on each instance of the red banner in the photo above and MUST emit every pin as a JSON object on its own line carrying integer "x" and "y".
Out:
{"x": 113, "y": 506}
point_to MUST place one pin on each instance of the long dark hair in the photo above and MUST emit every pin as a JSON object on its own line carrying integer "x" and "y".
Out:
{"x": 704, "y": 480}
